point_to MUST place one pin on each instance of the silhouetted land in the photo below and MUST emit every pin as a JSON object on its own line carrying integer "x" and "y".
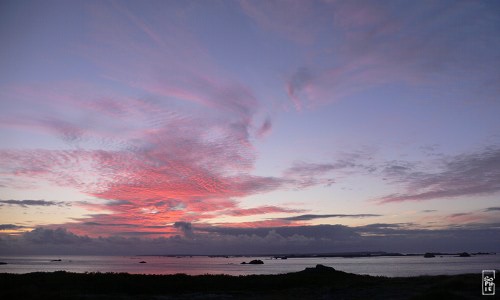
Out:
{"x": 313, "y": 283}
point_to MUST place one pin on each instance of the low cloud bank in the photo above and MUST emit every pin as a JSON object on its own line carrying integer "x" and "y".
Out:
{"x": 225, "y": 240}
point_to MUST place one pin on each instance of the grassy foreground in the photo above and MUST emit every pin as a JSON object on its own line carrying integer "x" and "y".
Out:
{"x": 313, "y": 283}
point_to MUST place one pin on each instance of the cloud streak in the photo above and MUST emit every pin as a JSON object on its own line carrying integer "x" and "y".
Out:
{"x": 313, "y": 217}
{"x": 293, "y": 20}
{"x": 492, "y": 209}
{"x": 10, "y": 227}
{"x": 461, "y": 175}
{"x": 26, "y": 203}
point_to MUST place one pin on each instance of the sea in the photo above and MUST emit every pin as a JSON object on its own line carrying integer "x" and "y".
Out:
{"x": 390, "y": 266}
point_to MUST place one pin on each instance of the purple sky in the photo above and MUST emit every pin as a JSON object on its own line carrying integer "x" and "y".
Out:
{"x": 249, "y": 126}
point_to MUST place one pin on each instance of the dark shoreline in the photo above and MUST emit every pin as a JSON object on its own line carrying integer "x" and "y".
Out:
{"x": 319, "y": 282}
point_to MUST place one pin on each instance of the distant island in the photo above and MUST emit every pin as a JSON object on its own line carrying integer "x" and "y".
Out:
{"x": 318, "y": 282}
{"x": 254, "y": 262}
{"x": 334, "y": 254}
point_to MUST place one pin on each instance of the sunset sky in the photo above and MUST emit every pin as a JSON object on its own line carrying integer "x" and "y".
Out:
{"x": 249, "y": 126}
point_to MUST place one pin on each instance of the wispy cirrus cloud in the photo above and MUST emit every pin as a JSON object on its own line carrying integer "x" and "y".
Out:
{"x": 372, "y": 47}
{"x": 466, "y": 218}
{"x": 473, "y": 173}
{"x": 294, "y": 20}
{"x": 310, "y": 174}
{"x": 183, "y": 70}
{"x": 166, "y": 171}
{"x": 307, "y": 174}
{"x": 461, "y": 175}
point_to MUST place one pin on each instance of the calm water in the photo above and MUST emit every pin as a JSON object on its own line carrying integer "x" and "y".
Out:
{"x": 384, "y": 266}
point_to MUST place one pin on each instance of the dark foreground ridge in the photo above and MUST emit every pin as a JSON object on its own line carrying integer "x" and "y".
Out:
{"x": 320, "y": 282}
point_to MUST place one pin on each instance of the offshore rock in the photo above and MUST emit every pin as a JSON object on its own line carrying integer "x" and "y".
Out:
{"x": 256, "y": 262}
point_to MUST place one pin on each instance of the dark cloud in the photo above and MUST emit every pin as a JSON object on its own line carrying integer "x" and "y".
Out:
{"x": 156, "y": 226}
{"x": 496, "y": 208}
{"x": 297, "y": 82}
{"x": 394, "y": 169}
{"x": 311, "y": 169}
{"x": 428, "y": 210}
{"x": 476, "y": 226}
{"x": 312, "y": 217}
{"x": 459, "y": 215}
{"x": 384, "y": 225}
{"x": 351, "y": 161}
{"x": 65, "y": 130}
{"x": 265, "y": 128}
{"x": 387, "y": 229}
{"x": 185, "y": 227}
{"x": 26, "y": 203}
{"x": 259, "y": 184}
{"x": 309, "y": 174}
{"x": 462, "y": 175}
{"x": 54, "y": 236}
{"x": 318, "y": 231}
{"x": 10, "y": 227}
{"x": 140, "y": 233}
{"x": 171, "y": 204}
{"x": 407, "y": 239}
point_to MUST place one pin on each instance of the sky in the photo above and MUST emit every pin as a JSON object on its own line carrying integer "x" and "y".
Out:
{"x": 210, "y": 127}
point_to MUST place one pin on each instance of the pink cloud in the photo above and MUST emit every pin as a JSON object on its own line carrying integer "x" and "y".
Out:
{"x": 188, "y": 138}
{"x": 171, "y": 176}
{"x": 157, "y": 220}
{"x": 464, "y": 218}
{"x": 142, "y": 183}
